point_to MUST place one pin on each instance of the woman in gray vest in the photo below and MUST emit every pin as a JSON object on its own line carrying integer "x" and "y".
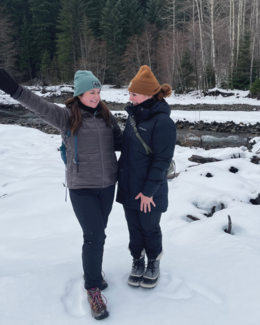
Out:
{"x": 91, "y": 166}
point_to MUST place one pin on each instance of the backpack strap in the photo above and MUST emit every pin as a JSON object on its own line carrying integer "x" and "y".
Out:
{"x": 172, "y": 167}
{"x": 75, "y": 160}
{"x": 148, "y": 150}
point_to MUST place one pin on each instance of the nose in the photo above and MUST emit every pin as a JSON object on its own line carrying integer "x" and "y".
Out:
{"x": 131, "y": 98}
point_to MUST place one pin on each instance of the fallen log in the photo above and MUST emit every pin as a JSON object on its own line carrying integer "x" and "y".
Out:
{"x": 202, "y": 160}
{"x": 255, "y": 160}
{"x": 192, "y": 218}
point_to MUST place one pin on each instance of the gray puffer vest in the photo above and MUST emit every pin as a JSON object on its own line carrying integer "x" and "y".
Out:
{"x": 97, "y": 160}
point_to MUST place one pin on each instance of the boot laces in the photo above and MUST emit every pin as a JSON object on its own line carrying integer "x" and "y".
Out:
{"x": 150, "y": 265}
{"x": 137, "y": 263}
{"x": 96, "y": 298}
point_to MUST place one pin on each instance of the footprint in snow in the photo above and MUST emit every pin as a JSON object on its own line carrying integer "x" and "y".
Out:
{"x": 205, "y": 291}
{"x": 178, "y": 289}
{"x": 75, "y": 298}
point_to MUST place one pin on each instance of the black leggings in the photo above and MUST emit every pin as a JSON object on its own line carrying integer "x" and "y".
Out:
{"x": 92, "y": 208}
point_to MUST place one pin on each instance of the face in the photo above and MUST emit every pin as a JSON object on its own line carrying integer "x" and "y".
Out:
{"x": 138, "y": 98}
{"x": 90, "y": 98}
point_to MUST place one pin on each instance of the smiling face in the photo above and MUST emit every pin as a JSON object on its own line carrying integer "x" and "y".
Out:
{"x": 91, "y": 98}
{"x": 138, "y": 98}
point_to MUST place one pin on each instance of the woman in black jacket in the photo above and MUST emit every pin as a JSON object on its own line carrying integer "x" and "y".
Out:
{"x": 142, "y": 173}
{"x": 91, "y": 166}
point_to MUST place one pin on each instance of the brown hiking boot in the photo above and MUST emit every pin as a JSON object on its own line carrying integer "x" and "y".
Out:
{"x": 97, "y": 305}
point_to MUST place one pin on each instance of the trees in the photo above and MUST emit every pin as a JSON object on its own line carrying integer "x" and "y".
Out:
{"x": 120, "y": 20}
{"x": 115, "y": 37}
{"x": 7, "y": 46}
{"x": 43, "y": 24}
{"x": 186, "y": 71}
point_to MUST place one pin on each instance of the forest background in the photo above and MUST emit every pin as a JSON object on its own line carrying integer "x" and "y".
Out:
{"x": 191, "y": 44}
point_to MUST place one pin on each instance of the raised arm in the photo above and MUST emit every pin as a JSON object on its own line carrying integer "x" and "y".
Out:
{"x": 52, "y": 114}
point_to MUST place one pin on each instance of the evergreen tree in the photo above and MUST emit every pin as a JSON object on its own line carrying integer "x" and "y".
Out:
{"x": 68, "y": 36}
{"x": 186, "y": 73}
{"x": 44, "y": 14}
{"x": 45, "y": 66}
{"x": 134, "y": 18}
{"x": 112, "y": 20}
{"x": 210, "y": 75}
{"x": 7, "y": 46}
{"x": 25, "y": 57}
{"x": 93, "y": 14}
{"x": 154, "y": 13}
{"x": 241, "y": 78}
{"x": 19, "y": 13}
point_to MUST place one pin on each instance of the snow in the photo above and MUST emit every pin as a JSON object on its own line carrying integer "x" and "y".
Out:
{"x": 207, "y": 276}
{"x": 195, "y": 97}
{"x": 211, "y": 116}
{"x": 121, "y": 95}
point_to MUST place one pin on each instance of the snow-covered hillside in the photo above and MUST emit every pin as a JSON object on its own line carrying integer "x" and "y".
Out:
{"x": 207, "y": 275}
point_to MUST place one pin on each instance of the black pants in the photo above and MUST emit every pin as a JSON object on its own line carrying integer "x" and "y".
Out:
{"x": 92, "y": 208}
{"x": 145, "y": 232}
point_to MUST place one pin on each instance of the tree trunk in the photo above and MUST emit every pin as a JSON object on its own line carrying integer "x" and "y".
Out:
{"x": 238, "y": 26}
{"x": 213, "y": 52}
{"x": 253, "y": 33}
{"x": 201, "y": 44}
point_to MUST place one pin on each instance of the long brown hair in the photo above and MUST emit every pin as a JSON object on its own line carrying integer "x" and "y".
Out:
{"x": 165, "y": 91}
{"x": 75, "y": 120}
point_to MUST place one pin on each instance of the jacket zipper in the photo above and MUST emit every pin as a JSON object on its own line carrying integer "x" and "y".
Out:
{"x": 101, "y": 153}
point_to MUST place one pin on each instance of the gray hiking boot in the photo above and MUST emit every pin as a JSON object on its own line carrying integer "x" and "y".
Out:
{"x": 137, "y": 272}
{"x": 151, "y": 274}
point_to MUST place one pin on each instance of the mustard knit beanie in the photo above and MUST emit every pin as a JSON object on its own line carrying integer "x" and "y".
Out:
{"x": 144, "y": 82}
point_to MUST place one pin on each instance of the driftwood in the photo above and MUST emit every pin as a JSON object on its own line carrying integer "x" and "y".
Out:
{"x": 208, "y": 215}
{"x": 255, "y": 160}
{"x": 217, "y": 93}
{"x": 228, "y": 231}
{"x": 192, "y": 218}
{"x": 256, "y": 201}
{"x": 202, "y": 160}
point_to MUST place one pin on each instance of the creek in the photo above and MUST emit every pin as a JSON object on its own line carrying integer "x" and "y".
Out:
{"x": 185, "y": 137}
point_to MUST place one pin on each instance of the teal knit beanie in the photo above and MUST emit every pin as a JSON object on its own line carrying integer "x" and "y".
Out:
{"x": 84, "y": 81}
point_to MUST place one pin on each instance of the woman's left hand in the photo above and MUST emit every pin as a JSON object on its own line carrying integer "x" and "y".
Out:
{"x": 145, "y": 202}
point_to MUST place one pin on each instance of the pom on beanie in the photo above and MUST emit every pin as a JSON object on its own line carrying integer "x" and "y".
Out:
{"x": 84, "y": 81}
{"x": 144, "y": 82}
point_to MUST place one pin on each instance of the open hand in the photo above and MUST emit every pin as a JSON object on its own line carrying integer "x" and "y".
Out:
{"x": 145, "y": 202}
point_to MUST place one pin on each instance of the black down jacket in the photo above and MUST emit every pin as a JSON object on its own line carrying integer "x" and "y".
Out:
{"x": 139, "y": 172}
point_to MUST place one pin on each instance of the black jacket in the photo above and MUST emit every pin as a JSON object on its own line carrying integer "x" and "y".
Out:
{"x": 143, "y": 173}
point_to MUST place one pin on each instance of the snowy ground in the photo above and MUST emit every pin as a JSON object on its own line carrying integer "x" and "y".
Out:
{"x": 122, "y": 96}
{"x": 207, "y": 276}
{"x": 211, "y": 116}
